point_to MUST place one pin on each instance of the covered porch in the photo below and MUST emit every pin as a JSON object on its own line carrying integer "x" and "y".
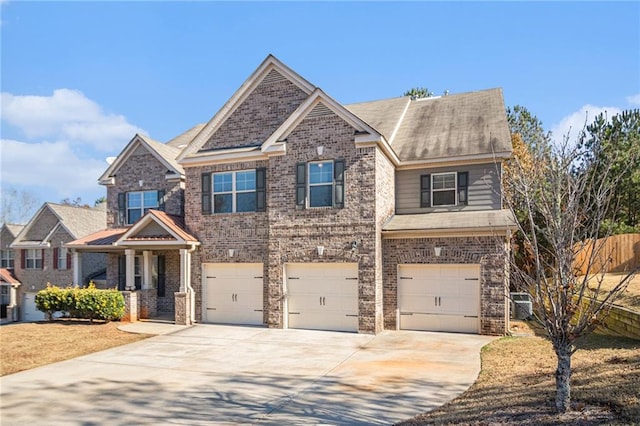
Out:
{"x": 150, "y": 262}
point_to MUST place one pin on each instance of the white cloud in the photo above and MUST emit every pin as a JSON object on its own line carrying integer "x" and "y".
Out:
{"x": 634, "y": 100}
{"x": 575, "y": 122}
{"x": 70, "y": 116}
{"x": 53, "y": 166}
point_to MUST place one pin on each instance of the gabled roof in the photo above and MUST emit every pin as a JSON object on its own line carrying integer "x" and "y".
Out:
{"x": 173, "y": 226}
{"x": 77, "y": 221}
{"x": 367, "y": 133}
{"x": 14, "y": 229}
{"x": 173, "y": 233}
{"x": 7, "y": 276}
{"x": 165, "y": 154}
{"x": 269, "y": 64}
{"x": 454, "y": 127}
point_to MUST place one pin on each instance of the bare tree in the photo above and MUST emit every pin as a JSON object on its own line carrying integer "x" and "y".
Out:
{"x": 17, "y": 206}
{"x": 564, "y": 204}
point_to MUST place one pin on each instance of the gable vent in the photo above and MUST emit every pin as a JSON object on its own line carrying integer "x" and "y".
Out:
{"x": 319, "y": 110}
{"x": 273, "y": 77}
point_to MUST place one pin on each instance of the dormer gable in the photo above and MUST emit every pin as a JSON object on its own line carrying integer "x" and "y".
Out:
{"x": 165, "y": 154}
{"x": 257, "y": 108}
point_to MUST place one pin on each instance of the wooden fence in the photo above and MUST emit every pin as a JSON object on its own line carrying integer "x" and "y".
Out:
{"x": 620, "y": 252}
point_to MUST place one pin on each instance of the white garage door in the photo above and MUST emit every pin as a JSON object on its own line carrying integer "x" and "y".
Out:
{"x": 233, "y": 293}
{"x": 439, "y": 297}
{"x": 29, "y": 311}
{"x": 322, "y": 296}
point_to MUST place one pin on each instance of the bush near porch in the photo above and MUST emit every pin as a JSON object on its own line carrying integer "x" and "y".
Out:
{"x": 87, "y": 303}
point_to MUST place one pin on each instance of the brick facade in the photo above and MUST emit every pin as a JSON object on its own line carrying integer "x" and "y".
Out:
{"x": 490, "y": 252}
{"x": 252, "y": 123}
{"x": 287, "y": 234}
{"x": 143, "y": 167}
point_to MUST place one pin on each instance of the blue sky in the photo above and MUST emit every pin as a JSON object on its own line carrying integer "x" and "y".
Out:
{"x": 79, "y": 79}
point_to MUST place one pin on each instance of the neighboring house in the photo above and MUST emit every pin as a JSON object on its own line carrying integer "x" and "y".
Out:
{"x": 289, "y": 209}
{"x": 41, "y": 257}
{"x": 9, "y": 283}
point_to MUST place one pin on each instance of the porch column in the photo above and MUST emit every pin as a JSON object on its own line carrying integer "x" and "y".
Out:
{"x": 77, "y": 267}
{"x": 13, "y": 295}
{"x": 185, "y": 269}
{"x": 130, "y": 269}
{"x": 146, "y": 270}
{"x": 14, "y": 303}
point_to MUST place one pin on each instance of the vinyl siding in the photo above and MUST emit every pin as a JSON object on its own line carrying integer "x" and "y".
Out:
{"x": 484, "y": 189}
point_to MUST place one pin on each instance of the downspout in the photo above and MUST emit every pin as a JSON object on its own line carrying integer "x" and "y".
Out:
{"x": 189, "y": 287}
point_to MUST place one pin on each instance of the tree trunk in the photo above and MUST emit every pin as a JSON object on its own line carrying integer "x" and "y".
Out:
{"x": 563, "y": 376}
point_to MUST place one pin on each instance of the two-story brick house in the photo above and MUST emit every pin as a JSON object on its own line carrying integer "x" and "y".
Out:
{"x": 302, "y": 212}
{"x": 40, "y": 255}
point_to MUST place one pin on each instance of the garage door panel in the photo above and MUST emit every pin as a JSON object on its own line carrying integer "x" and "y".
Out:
{"x": 322, "y": 296}
{"x": 439, "y": 297}
{"x": 447, "y": 323}
{"x": 234, "y": 293}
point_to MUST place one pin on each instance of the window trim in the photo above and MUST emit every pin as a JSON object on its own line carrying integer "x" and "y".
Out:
{"x": 454, "y": 189}
{"x": 62, "y": 258}
{"x": 234, "y": 191}
{"x": 143, "y": 208}
{"x": 7, "y": 259}
{"x": 33, "y": 259}
{"x": 332, "y": 184}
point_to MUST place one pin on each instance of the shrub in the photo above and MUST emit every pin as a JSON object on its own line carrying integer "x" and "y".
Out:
{"x": 89, "y": 303}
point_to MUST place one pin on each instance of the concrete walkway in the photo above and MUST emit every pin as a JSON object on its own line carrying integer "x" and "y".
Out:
{"x": 212, "y": 374}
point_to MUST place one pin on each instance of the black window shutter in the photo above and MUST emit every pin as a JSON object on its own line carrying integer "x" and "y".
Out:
{"x": 122, "y": 208}
{"x": 301, "y": 184}
{"x": 261, "y": 189}
{"x": 206, "y": 193}
{"x": 161, "y": 199}
{"x": 42, "y": 254}
{"x": 425, "y": 191}
{"x": 122, "y": 272}
{"x": 338, "y": 177}
{"x": 463, "y": 188}
{"x": 23, "y": 258}
{"x": 55, "y": 258}
{"x": 161, "y": 276}
{"x": 68, "y": 259}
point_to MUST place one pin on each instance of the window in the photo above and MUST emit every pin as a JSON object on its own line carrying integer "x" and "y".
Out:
{"x": 5, "y": 295}
{"x": 133, "y": 205}
{"x": 233, "y": 192}
{"x": 320, "y": 184}
{"x": 444, "y": 189}
{"x": 61, "y": 258}
{"x": 33, "y": 259}
{"x": 6, "y": 257}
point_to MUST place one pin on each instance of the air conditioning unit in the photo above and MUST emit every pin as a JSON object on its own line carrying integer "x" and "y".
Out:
{"x": 521, "y": 306}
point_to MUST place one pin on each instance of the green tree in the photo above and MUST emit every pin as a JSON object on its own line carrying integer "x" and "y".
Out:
{"x": 616, "y": 143}
{"x": 418, "y": 92}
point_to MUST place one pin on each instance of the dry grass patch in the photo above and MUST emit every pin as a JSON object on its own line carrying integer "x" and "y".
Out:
{"x": 630, "y": 298}
{"x": 29, "y": 345}
{"x": 517, "y": 386}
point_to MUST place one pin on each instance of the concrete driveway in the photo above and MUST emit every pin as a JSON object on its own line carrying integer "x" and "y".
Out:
{"x": 213, "y": 374}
